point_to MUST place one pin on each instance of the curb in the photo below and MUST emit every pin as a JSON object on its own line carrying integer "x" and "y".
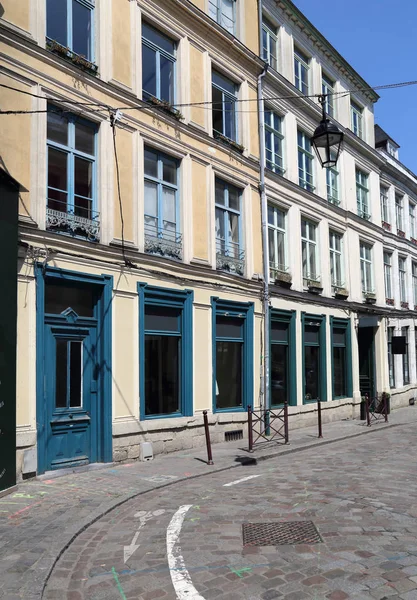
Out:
{"x": 251, "y": 459}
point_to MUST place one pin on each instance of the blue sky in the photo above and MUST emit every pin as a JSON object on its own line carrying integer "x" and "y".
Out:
{"x": 379, "y": 39}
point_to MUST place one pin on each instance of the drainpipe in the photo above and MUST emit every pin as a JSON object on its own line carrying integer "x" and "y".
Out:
{"x": 265, "y": 395}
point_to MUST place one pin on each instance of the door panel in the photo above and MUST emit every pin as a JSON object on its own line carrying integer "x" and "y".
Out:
{"x": 70, "y": 395}
{"x": 366, "y": 361}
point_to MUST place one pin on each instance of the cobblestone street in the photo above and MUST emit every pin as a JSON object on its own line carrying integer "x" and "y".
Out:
{"x": 361, "y": 496}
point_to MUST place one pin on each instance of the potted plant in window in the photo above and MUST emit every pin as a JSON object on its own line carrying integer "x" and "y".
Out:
{"x": 166, "y": 107}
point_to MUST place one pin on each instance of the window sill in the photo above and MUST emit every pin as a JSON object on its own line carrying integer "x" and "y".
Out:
{"x": 405, "y": 305}
{"x": 364, "y": 215}
{"x": 238, "y": 409}
{"x": 165, "y": 107}
{"x": 228, "y": 142}
{"x": 389, "y": 301}
{"x": 386, "y": 226}
{"x": 76, "y": 59}
{"x": 333, "y": 201}
{"x": 340, "y": 292}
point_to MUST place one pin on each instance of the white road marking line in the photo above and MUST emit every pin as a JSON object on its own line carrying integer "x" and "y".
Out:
{"x": 240, "y": 480}
{"x": 180, "y": 577}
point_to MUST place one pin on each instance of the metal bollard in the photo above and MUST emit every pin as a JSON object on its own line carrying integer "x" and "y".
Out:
{"x": 208, "y": 442}
{"x": 319, "y": 418}
{"x": 368, "y": 416}
{"x": 386, "y": 408}
{"x": 250, "y": 430}
{"x": 286, "y": 421}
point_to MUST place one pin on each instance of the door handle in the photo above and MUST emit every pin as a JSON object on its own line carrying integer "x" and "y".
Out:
{"x": 70, "y": 416}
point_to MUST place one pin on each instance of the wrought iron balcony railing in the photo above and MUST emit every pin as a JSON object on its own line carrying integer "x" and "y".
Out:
{"x": 162, "y": 242}
{"x": 230, "y": 258}
{"x": 78, "y": 221}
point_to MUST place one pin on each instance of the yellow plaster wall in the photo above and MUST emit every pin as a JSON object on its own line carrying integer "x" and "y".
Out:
{"x": 256, "y": 231}
{"x": 201, "y": 4}
{"x": 122, "y": 68}
{"x": 26, "y": 351}
{"x": 203, "y": 367}
{"x": 17, "y": 12}
{"x": 124, "y": 146}
{"x": 253, "y": 123}
{"x": 251, "y": 24}
{"x": 197, "y": 85}
{"x": 15, "y": 138}
{"x": 200, "y": 217}
{"x": 124, "y": 356}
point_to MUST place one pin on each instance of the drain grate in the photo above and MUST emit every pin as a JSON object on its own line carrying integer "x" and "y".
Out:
{"x": 278, "y": 534}
{"x": 232, "y": 436}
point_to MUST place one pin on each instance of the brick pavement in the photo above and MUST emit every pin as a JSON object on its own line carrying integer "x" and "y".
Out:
{"x": 42, "y": 518}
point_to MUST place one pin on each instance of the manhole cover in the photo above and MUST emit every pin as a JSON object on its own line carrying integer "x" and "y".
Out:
{"x": 278, "y": 534}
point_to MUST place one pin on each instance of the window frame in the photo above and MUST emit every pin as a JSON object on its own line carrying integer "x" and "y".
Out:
{"x": 271, "y": 33}
{"x": 367, "y": 286}
{"x": 402, "y": 278}
{"x": 362, "y": 194}
{"x": 406, "y": 357}
{"x": 338, "y": 323}
{"x": 399, "y": 212}
{"x": 332, "y": 190}
{"x": 169, "y": 298}
{"x": 301, "y": 61}
{"x": 306, "y": 319}
{"x": 91, "y": 6}
{"x": 227, "y": 96}
{"x": 219, "y": 14}
{"x": 307, "y": 241}
{"x": 274, "y": 166}
{"x": 391, "y": 360}
{"x": 160, "y": 52}
{"x": 383, "y": 196}
{"x": 226, "y": 209}
{"x": 288, "y": 317}
{"x": 356, "y": 113}
{"x": 327, "y": 89}
{"x": 242, "y": 310}
{"x": 307, "y": 159}
{"x": 414, "y": 277}
{"x": 274, "y": 227}
{"x": 412, "y": 219}
{"x": 336, "y": 255}
{"x": 388, "y": 275}
{"x": 72, "y": 153}
{"x": 161, "y": 183}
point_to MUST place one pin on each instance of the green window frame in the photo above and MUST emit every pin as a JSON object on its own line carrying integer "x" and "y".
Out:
{"x": 156, "y": 325}
{"x": 232, "y": 334}
{"x": 314, "y": 357}
{"x": 283, "y": 343}
{"x": 341, "y": 345}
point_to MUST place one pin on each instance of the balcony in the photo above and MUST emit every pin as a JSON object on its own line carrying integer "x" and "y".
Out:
{"x": 77, "y": 221}
{"x": 229, "y": 257}
{"x": 162, "y": 242}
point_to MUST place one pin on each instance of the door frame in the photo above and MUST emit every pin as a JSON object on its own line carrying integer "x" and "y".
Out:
{"x": 104, "y": 334}
{"x": 372, "y": 353}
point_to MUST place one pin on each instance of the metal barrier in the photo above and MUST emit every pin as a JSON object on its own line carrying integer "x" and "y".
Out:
{"x": 208, "y": 440}
{"x": 269, "y": 425}
{"x": 376, "y": 409}
{"x": 319, "y": 419}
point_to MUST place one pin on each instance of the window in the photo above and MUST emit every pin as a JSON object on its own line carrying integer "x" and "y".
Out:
{"x": 402, "y": 278}
{"x": 314, "y": 357}
{"x": 71, "y": 175}
{"x": 341, "y": 358}
{"x": 166, "y": 369}
{"x": 269, "y": 43}
{"x": 412, "y": 219}
{"x": 414, "y": 272}
{"x": 224, "y": 13}
{"x": 309, "y": 251}
{"x": 327, "y": 89}
{"x": 276, "y": 240}
{"x": 399, "y": 213}
{"x": 301, "y": 69}
{"x": 332, "y": 180}
{"x": 282, "y": 358}
{"x": 391, "y": 365}
{"x": 274, "y": 142}
{"x": 70, "y": 23}
{"x": 406, "y": 359}
{"x": 362, "y": 194}
{"x": 384, "y": 204}
{"x": 230, "y": 255}
{"x": 158, "y": 65}
{"x": 305, "y": 162}
{"x": 223, "y": 108}
{"x": 162, "y": 230}
{"x": 336, "y": 267}
{"x": 388, "y": 274}
{"x": 392, "y": 149}
{"x": 232, "y": 355}
{"x": 356, "y": 119}
{"x": 366, "y": 268}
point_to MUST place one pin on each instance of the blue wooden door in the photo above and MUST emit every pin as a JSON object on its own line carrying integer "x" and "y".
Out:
{"x": 71, "y": 395}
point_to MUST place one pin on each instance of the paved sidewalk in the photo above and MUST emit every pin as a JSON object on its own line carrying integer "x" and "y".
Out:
{"x": 44, "y": 516}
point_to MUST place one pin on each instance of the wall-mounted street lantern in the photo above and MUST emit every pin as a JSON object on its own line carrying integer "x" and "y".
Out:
{"x": 327, "y": 140}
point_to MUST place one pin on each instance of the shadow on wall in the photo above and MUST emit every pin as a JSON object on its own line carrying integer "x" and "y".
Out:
{"x": 1, "y": 10}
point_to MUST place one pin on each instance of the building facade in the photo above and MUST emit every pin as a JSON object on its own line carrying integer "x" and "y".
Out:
{"x": 141, "y": 284}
